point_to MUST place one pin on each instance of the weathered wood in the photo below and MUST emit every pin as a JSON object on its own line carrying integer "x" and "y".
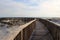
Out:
{"x": 14, "y": 31}
{"x": 40, "y": 33}
{"x": 28, "y": 31}
{"x": 54, "y": 28}
{"x": 21, "y": 35}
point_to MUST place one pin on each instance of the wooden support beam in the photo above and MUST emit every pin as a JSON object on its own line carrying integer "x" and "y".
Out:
{"x": 22, "y": 35}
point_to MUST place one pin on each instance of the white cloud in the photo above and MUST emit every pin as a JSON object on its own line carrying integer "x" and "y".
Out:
{"x": 46, "y": 8}
{"x": 13, "y": 8}
{"x": 50, "y": 8}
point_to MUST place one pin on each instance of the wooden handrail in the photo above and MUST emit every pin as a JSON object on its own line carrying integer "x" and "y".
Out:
{"x": 12, "y": 33}
{"x": 53, "y": 28}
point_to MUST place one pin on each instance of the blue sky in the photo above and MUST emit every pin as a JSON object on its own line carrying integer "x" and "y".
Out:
{"x": 29, "y": 8}
{"x": 29, "y": 2}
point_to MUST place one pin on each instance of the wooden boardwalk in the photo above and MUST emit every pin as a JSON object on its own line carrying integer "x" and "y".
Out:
{"x": 40, "y": 33}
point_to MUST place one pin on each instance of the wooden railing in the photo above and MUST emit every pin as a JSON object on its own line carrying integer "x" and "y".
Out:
{"x": 26, "y": 31}
{"x": 22, "y": 32}
{"x": 53, "y": 28}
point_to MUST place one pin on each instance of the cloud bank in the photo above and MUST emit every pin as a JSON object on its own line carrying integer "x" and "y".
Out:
{"x": 29, "y": 8}
{"x": 16, "y": 8}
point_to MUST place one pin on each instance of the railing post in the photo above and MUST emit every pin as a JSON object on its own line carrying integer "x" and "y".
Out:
{"x": 58, "y": 34}
{"x": 22, "y": 35}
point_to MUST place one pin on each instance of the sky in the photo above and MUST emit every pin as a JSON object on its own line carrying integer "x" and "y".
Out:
{"x": 29, "y": 8}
